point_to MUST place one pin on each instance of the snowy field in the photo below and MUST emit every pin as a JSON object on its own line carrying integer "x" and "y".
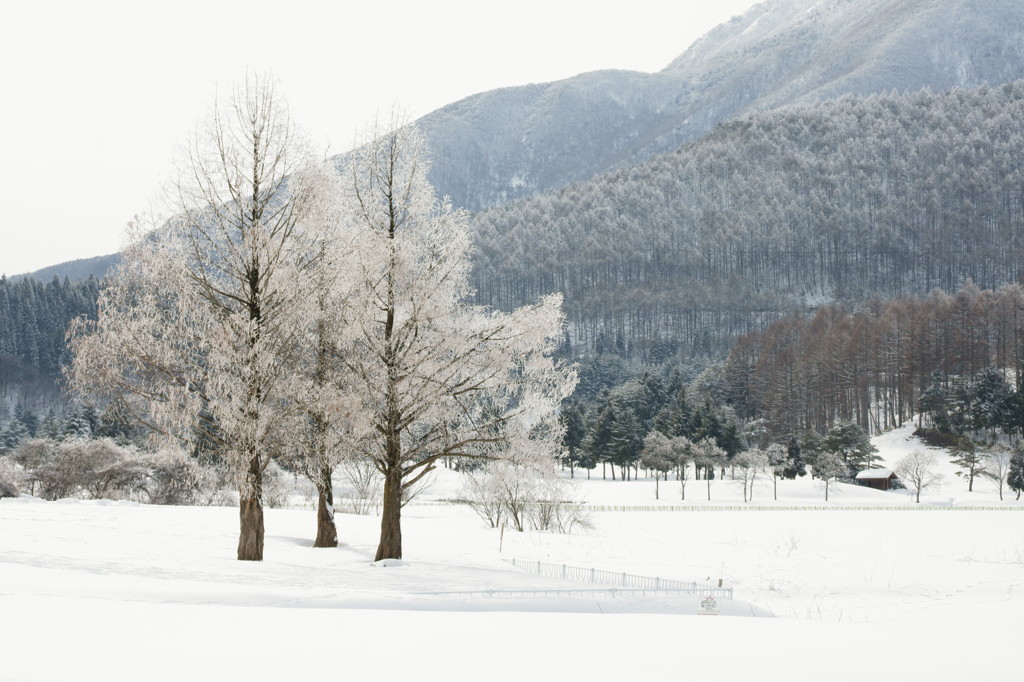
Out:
{"x": 867, "y": 586}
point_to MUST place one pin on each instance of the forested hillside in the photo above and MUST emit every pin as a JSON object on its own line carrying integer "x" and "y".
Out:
{"x": 515, "y": 143}
{"x": 834, "y": 201}
{"x": 33, "y": 319}
{"x": 874, "y": 364}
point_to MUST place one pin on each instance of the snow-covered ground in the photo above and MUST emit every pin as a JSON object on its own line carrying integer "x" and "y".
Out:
{"x": 115, "y": 591}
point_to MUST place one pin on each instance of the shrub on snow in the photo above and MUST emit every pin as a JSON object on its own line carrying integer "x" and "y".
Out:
{"x": 505, "y": 492}
{"x": 177, "y": 478}
{"x": 91, "y": 468}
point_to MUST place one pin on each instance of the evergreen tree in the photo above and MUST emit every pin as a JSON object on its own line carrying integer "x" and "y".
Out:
{"x": 969, "y": 459}
{"x": 573, "y": 438}
{"x": 935, "y": 402}
{"x": 27, "y": 418}
{"x": 989, "y": 402}
{"x": 601, "y": 434}
{"x": 13, "y": 435}
{"x": 76, "y": 425}
{"x": 850, "y": 442}
{"x": 795, "y": 465}
{"x": 1015, "y": 479}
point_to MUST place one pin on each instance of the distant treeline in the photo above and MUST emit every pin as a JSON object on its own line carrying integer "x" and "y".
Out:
{"x": 872, "y": 364}
{"x": 34, "y": 317}
{"x": 837, "y": 201}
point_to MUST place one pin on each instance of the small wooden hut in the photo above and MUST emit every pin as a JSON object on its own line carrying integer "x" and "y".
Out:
{"x": 879, "y": 479}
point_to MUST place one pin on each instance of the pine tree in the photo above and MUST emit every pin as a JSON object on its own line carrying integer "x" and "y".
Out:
{"x": 795, "y": 465}
{"x": 1015, "y": 479}
{"x": 969, "y": 459}
{"x": 575, "y": 426}
{"x": 852, "y": 445}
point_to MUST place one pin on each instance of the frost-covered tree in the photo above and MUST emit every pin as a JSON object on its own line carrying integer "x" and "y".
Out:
{"x": 328, "y": 425}
{"x": 682, "y": 451}
{"x": 828, "y": 466}
{"x": 201, "y": 327}
{"x": 439, "y": 378}
{"x": 777, "y": 464}
{"x": 918, "y": 470}
{"x": 708, "y": 456}
{"x": 657, "y": 456}
{"x": 749, "y": 465}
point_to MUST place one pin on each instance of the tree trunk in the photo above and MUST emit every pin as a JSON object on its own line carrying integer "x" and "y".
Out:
{"x": 326, "y": 531}
{"x": 390, "y": 546}
{"x": 250, "y": 515}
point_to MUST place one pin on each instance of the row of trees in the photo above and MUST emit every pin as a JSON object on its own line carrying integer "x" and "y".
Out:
{"x": 876, "y": 363}
{"x": 668, "y": 425}
{"x": 832, "y": 201}
{"x": 284, "y": 312}
{"x": 80, "y": 422}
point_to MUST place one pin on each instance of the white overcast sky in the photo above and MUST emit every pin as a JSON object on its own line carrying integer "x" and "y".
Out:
{"x": 97, "y": 94}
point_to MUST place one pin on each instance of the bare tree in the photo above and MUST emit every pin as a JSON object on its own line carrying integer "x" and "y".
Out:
{"x": 750, "y": 464}
{"x": 996, "y": 467}
{"x": 440, "y": 378}
{"x": 201, "y": 327}
{"x": 778, "y": 462}
{"x": 917, "y": 469}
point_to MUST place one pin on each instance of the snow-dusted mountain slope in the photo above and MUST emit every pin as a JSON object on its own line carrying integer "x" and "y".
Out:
{"x": 516, "y": 142}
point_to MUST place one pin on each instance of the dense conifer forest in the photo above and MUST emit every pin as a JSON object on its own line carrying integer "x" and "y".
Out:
{"x": 34, "y": 317}
{"x": 777, "y": 212}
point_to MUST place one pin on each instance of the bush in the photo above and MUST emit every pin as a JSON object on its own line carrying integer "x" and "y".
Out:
{"x": 91, "y": 468}
{"x": 364, "y": 488}
{"x": 939, "y": 439}
{"x": 30, "y": 456}
{"x": 7, "y": 488}
{"x": 177, "y": 478}
{"x": 523, "y": 496}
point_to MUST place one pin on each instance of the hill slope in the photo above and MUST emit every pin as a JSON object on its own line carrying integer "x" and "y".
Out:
{"x": 517, "y": 142}
{"x": 840, "y": 200}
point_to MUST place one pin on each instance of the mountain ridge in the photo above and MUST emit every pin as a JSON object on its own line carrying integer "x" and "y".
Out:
{"x": 517, "y": 142}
